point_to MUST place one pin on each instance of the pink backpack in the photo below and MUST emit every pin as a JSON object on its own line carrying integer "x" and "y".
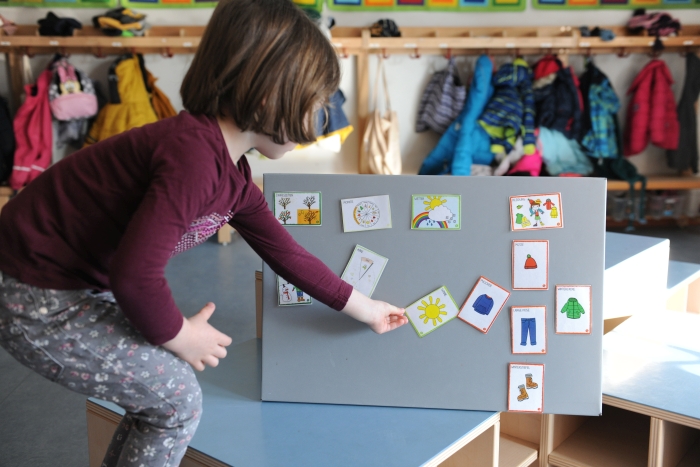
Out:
{"x": 71, "y": 94}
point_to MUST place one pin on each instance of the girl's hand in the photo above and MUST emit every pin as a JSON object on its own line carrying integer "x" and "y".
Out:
{"x": 198, "y": 342}
{"x": 380, "y": 316}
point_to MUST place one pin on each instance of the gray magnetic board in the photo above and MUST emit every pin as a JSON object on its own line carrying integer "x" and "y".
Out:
{"x": 314, "y": 354}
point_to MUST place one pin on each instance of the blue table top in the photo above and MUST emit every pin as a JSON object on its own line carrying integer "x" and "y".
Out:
{"x": 680, "y": 273}
{"x": 653, "y": 359}
{"x": 620, "y": 247}
{"x": 240, "y": 430}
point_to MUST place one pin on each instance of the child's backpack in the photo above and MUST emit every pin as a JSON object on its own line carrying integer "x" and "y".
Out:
{"x": 71, "y": 94}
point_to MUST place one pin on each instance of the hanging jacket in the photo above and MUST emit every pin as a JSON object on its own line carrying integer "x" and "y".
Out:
{"x": 7, "y": 141}
{"x": 33, "y": 133}
{"x": 573, "y": 309}
{"x": 599, "y": 128}
{"x": 556, "y": 94}
{"x": 129, "y": 103}
{"x": 652, "y": 110}
{"x": 686, "y": 156}
{"x": 511, "y": 111}
{"x": 465, "y": 142}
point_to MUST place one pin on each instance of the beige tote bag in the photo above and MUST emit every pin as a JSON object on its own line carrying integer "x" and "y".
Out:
{"x": 380, "y": 145}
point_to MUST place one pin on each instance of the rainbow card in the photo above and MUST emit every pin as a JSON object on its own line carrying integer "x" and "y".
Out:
{"x": 436, "y": 212}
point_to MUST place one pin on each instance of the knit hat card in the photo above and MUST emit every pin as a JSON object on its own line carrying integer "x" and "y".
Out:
{"x": 530, "y": 265}
{"x": 483, "y": 304}
{"x": 573, "y": 309}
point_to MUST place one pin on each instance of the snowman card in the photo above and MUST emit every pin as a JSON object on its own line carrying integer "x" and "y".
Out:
{"x": 535, "y": 212}
{"x": 288, "y": 294}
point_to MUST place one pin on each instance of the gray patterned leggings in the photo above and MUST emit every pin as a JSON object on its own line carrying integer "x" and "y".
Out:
{"x": 82, "y": 340}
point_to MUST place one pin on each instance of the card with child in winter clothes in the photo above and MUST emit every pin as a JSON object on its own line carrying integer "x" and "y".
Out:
{"x": 535, "y": 212}
{"x": 573, "y": 309}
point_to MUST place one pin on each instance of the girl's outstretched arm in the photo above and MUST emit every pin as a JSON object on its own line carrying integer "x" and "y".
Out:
{"x": 380, "y": 316}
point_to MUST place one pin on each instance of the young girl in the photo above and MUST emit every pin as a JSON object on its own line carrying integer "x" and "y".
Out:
{"x": 83, "y": 297}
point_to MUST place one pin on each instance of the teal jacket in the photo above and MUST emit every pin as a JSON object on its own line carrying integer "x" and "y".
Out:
{"x": 573, "y": 309}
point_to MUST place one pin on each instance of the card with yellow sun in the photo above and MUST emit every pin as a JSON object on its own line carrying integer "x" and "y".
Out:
{"x": 436, "y": 212}
{"x": 432, "y": 311}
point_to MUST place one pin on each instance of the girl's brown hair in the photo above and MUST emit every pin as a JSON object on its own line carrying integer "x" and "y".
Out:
{"x": 265, "y": 65}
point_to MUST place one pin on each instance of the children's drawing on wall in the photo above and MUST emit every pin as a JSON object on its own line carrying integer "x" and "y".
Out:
{"x": 298, "y": 208}
{"x": 369, "y": 213}
{"x": 530, "y": 264}
{"x": 483, "y": 304}
{"x": 573, "y": 309}
{"x": 432, "y": 311}
{"x": 289, "y": 294}
{"x": 528, "y": 326}
{"x": 436, "y": 212}
{"x": 525, "y": 387}
{"x": 533, "y": 212}
{"x": 364, "y": 270}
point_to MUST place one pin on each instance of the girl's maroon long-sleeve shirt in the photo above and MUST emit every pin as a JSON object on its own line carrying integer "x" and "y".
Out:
{"x": 111, "y": 215}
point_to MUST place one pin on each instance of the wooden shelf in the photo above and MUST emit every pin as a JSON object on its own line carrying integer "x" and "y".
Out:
{"x": 514, "y": 452}
{"x": 658, "y": 183}
{"x": 682, "y": 221}
{"x": 618, "y": 438}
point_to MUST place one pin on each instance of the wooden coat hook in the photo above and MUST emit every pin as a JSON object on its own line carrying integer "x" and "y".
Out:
{"x": 414, "y": 54}
{"x": 344, "y": 53}
{"x": 384, "y": 54}
{"x": 167, "y": 53}
{"x": 99, "y": 53}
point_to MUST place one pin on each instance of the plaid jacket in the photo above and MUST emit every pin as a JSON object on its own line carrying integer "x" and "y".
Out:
{"x": 601, "y": 139}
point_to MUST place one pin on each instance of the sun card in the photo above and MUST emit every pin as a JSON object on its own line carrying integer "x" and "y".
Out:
{"x": 484, "y": 303}
{"x": 364, "y": 270}
{"x": 436, "y": 212}
{"x": 432, "y": 311}
{"x": 530, "y": 264}
{"x": 528, "y": 322}
{"x": 535, "y": 212}
{"x": 525, "y": 387}
{"x": 288, "y": 294}
{"x": 298, "y": 208}
{"x": 573, "y": 309}
{"x": 368, "y": 213}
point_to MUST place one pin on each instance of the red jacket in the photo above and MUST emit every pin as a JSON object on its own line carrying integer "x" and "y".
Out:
{"x": 34, "y": 133}
{"x": 651, "y": 111}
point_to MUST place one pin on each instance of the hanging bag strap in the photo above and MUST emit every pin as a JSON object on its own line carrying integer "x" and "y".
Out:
{"x": 381, "y": 73}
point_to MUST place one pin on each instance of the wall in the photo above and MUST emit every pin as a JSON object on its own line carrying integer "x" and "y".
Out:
{"x": 407, "y": 77}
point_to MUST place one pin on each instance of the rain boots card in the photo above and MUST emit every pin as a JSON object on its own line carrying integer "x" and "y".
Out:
{"x": 573, "y": 309}
{"x": 525, "y": 387}
{"x": 483, "y": 304}
{"x": 534, "y": 212}
{"x": 288, "y": 294}
{"x": 298, "y": 208}
{"x": 436, "y": 212}
{"x": 369, "y": 213}
{"x": 432, "y": 311}
{"x": 364, "y": 270}
{"x": 530, "y": 264}
{"x": 528, "y": 326}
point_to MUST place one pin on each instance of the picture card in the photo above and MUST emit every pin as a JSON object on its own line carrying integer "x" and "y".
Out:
{"x": 364, "y": 270}
{"x": 298, "y": 208}
{"x": 525, "y": 387}
{"x": 368, "y": 213}
{"x": 484, "y": 303}
{"x": 432, "y": 311}
{"x": 528, "y": 326}
{"x": 436, "y": 212}
{"x": 288, "y": 294}
{"x": 534, "y": 212}
{"x": 530, "y": 264}
{"x": 573, "y": 309}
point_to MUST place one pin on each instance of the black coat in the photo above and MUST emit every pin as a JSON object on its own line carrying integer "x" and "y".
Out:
{"x": 686, "y": 156}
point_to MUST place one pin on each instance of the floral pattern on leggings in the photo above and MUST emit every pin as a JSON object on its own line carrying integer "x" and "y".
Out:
{"x": 83, "y": 341}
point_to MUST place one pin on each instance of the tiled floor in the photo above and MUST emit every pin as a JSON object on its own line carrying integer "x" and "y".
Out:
{"x": 43, "y": 425}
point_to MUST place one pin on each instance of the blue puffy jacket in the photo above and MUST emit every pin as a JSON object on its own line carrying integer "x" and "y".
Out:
{"x": 465, "y": 142}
